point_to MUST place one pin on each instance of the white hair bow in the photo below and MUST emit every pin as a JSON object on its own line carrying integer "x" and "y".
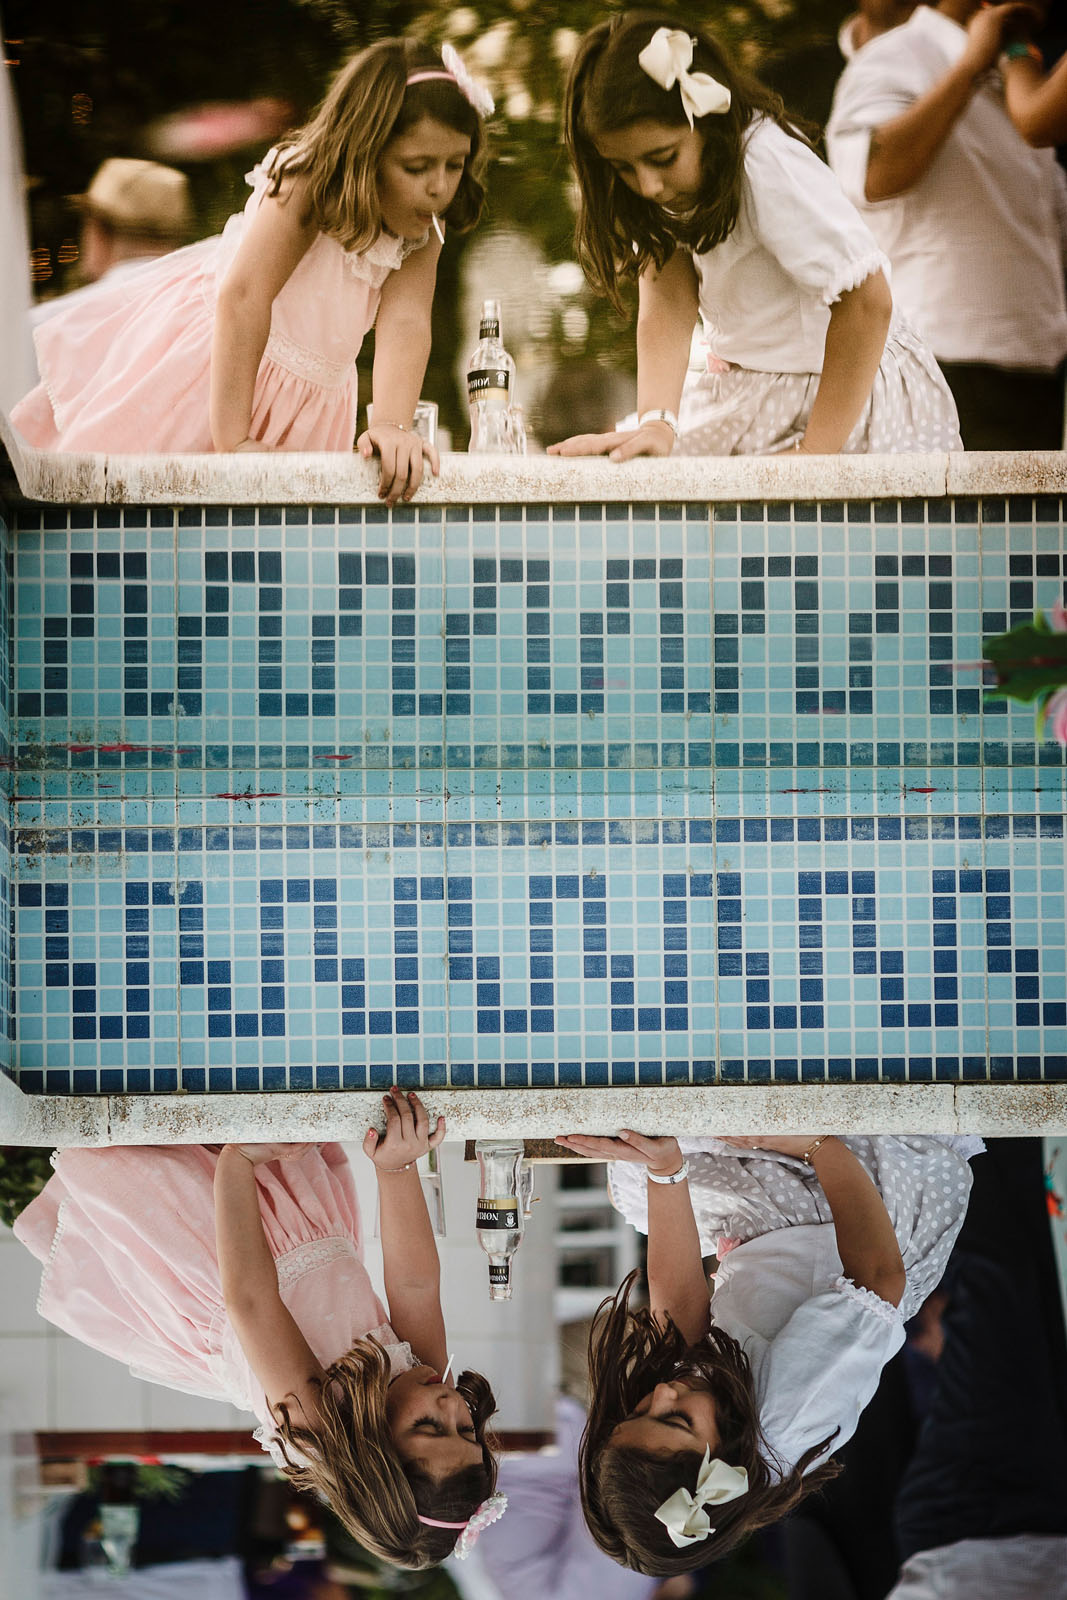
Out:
{"x": 667, "y": 57}
{"x": 683, "y": 1515}
{"x": 473, "y": 88}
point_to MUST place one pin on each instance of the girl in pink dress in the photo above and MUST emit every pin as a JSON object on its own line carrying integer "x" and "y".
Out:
{"x": 247, "y": 341}
{"x": 238, "y": 1274}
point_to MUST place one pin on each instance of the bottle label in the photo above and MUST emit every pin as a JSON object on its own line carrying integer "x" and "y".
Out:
{"x": 499, "y": 1272}
{"x": 497, "y": 1214}
{"x": 489, "y": 383}
{"x": 490, "y": 329}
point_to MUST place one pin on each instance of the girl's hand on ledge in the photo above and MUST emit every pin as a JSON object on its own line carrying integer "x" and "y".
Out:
{"x": 654, "y": 439}
{"x": 661, "y": 1156}
{"x": 407, "y": 1133}
{"x": 403, "y": 455}
{"x": 247, "y": 446}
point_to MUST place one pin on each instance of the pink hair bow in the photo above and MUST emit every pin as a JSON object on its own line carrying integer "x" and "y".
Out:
{"x": 488, "y": 1512}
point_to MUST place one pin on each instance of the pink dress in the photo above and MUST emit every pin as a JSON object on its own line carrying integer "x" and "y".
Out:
{"x": 127, "y": 1236}
{"x": 127, "y": 368}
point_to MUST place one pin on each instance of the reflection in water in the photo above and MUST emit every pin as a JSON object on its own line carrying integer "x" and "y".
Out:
{"x": 953, "y": 1481}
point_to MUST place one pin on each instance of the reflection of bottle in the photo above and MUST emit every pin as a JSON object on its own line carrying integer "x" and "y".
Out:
{"x": 517, "y": 429}
{"x": 499, "y": 1220}
{"x": 490, "y": 387}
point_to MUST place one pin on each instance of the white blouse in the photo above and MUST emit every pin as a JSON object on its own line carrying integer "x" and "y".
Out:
{"x": 816, "y": 1343}
{"x": 798, "y": 245}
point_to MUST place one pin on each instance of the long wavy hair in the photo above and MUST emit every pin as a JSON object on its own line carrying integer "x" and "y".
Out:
{"x": 618, "y": 234}
{"x": 349, "y": 1460}
{"x": 629, "y": 1353}
{"x": 368, "y": 104}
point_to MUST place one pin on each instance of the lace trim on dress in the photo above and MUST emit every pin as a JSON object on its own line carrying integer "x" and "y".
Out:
{"x": 380, "y": 258}
{"x": 310, "y": 1257}
{"x": 869, "y": 1300}
{"x": 56, "y": 1237}
{"x": 307, "y": 364}
{"x": 851, "y": 274}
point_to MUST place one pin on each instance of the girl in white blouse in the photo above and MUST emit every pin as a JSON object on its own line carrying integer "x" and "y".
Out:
{"x": 711, "y": 1417}
{"x": 693, "y": 181}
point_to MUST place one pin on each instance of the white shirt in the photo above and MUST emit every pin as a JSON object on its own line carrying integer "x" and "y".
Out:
{"x": 797, "y": 247}
{"x": 977, "y": 244}
{"x": 815, "y": 1342}
{"x": 1027, "y": 1567}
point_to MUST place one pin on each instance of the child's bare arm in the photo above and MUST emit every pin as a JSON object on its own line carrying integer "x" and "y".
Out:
{"x": 667, "y": 314}
{"x": 866, "y": 1243}
{"x": 855, "y": 341}
{"x": 273, "y": 1345}
{"x": 275, "y": 241}
{"x": 676, "y": 1282}
{"x": 409, "y": 1251}
{"x": 401, "y": 351}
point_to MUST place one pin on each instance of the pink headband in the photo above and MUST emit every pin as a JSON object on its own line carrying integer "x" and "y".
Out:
{"x": 489, "y": 1511}
{"x": 455, "y": 71}
{"x": 422, "y": 77}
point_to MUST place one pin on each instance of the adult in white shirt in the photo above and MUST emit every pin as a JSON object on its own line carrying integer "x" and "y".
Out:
{"x": 972, "y": 219}
{"x": 873, "y": 17}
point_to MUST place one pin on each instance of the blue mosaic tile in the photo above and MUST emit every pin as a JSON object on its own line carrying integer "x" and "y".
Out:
{"x": 525, "y": 796}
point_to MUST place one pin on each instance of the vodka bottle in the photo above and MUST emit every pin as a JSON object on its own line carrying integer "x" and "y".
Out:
{"x": 500, "y": 1212}
{"x": 490, "y": 387}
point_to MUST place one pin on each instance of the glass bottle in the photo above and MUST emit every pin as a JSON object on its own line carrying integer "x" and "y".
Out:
{"x": 499, "y": 1221}
{"x": 490, "y": 387}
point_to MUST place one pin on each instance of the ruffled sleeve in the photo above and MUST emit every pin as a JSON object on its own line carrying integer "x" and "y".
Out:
{"x": 386, "y": 254}
{"x": 801, "y": 216}
{"x": 820, "y": 1371}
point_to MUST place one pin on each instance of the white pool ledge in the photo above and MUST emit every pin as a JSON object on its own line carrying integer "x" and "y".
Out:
{"x": 326, "y": 478}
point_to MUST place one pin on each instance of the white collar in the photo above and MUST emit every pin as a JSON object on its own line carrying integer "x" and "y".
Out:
{"x": 935, "y": 23}
{"x": 846, "y": 36}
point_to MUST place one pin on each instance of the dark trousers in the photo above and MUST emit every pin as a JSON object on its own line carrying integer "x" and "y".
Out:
{"x": 991, "y": 1458}
{"x": 1003, "y": 408}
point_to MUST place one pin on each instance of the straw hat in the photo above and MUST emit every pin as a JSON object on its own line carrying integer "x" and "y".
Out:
{"x": 139, "y": 197}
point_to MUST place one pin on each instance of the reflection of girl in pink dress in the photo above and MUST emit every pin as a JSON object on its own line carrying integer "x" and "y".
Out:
{"x": 248, "y": 341}
{"x": 238, "y": 1274}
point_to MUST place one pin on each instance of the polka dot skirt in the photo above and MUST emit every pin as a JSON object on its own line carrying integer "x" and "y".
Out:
{"x": 740, "y": 412}
{"x": 740, "y": 1194}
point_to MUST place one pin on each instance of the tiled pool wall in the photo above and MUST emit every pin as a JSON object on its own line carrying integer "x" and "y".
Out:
{"x": 507, "y": 796}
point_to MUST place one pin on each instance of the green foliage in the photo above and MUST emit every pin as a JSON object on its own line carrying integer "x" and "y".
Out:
{"x": 24, "y": 1171}
{"x": 151, "y": 1481}
{"x": 1030, "y": 661}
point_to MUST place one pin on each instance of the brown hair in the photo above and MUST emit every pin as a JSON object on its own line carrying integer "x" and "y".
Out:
{"x": 618, "y": 234}
{"x": 350, "y": 1461}
{"x": 630, "y": 1351}
{"x": 369, "y": 103}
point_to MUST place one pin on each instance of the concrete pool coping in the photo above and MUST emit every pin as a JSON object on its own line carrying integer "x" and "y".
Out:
{"x": 989, "y": 1109}
{"x": 321, "y": 478}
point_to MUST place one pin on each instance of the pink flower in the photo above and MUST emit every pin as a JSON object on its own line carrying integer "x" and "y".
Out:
{"x": 1056, "y": 716}
{"x": 1056, "y": 616}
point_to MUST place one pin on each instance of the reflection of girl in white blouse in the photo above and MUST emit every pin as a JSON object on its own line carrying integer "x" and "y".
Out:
{"x": 694, "y": 182}
{"x": 826, "y": 1246}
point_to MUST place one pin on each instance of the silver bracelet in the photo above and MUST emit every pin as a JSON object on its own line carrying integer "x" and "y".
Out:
{"x": 659, "y": 416}
{"x": 675, "y": 1177}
